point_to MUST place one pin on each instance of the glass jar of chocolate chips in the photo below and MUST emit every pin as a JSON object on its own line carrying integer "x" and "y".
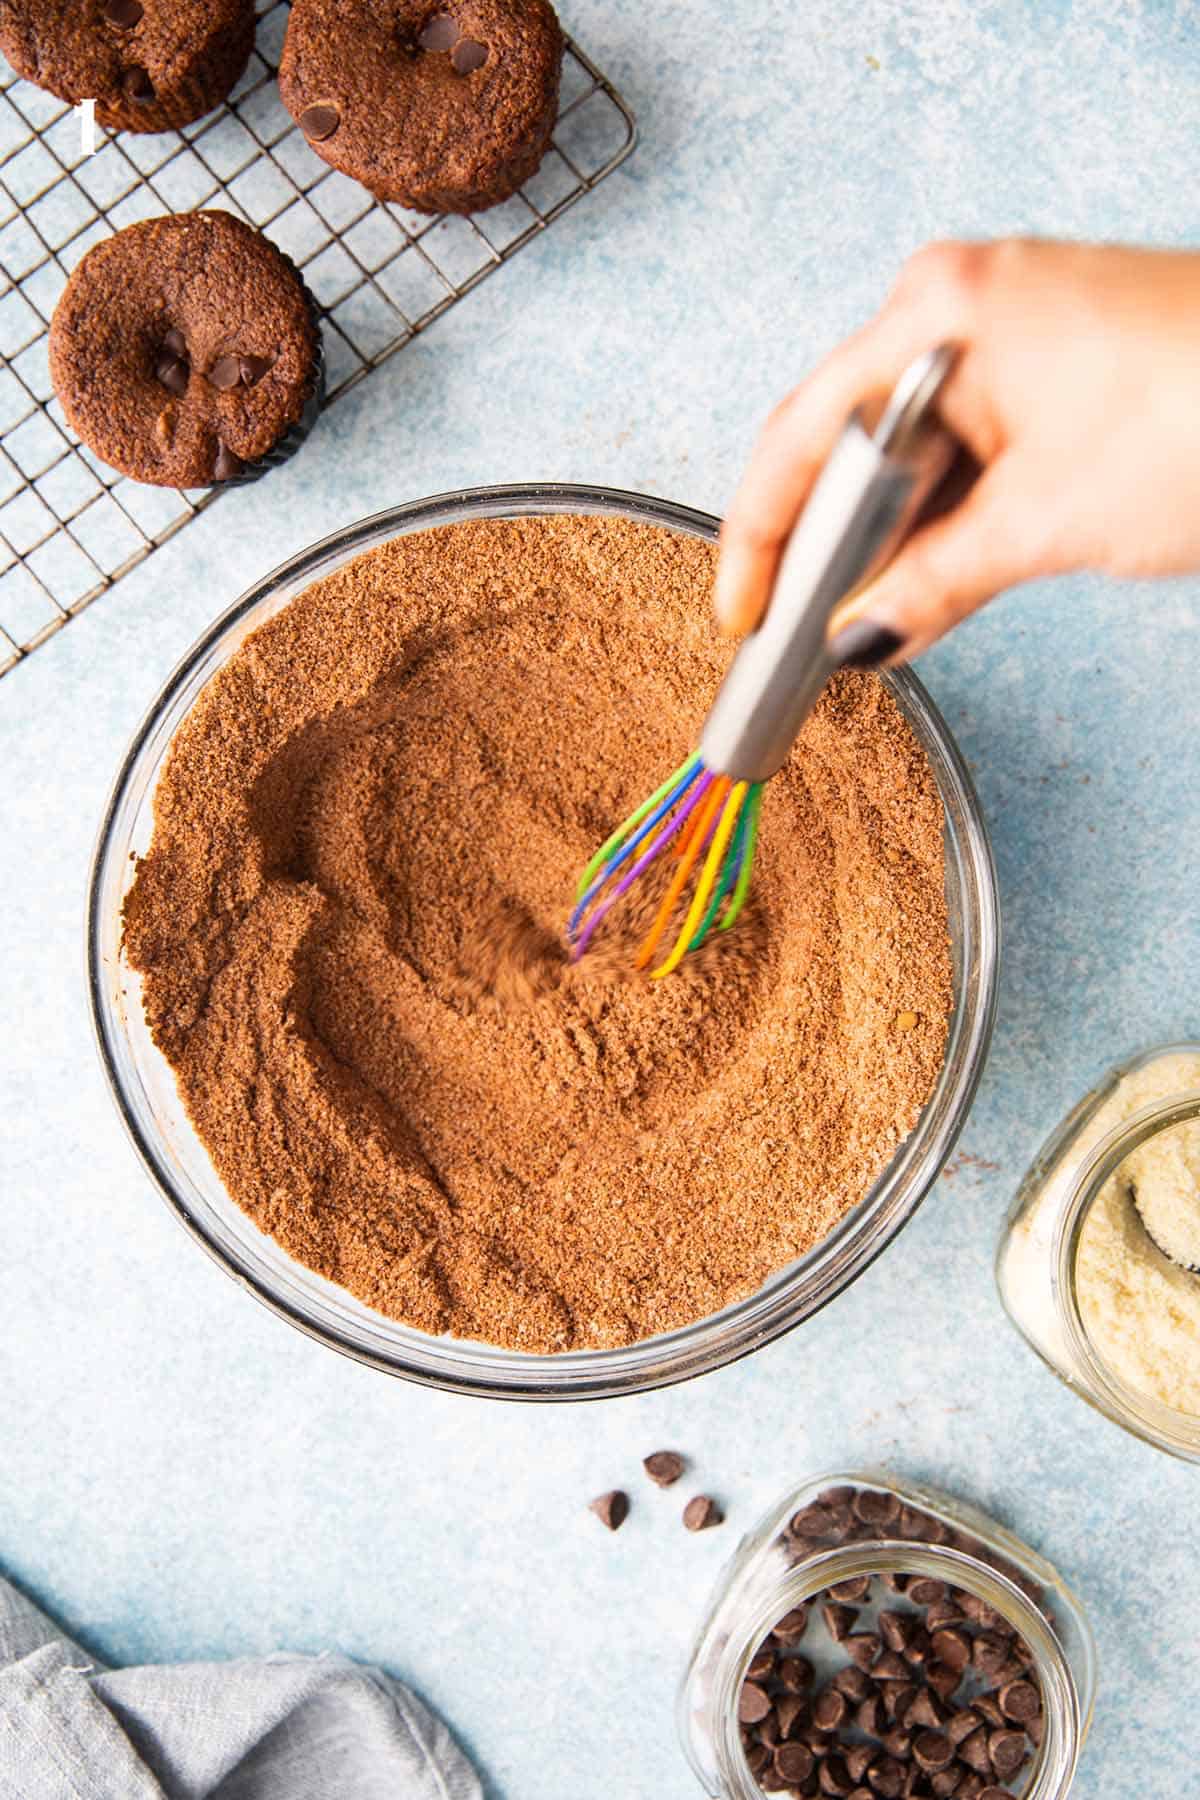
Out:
{"x": 876, "y": 1640}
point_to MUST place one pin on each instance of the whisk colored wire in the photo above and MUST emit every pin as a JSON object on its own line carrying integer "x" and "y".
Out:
{"x": 731, "y": 799}
{"x": 690, "y": 775}
{"x": 696, "y": 837}
{"x": 713, "y": 822}
{"x": 736, "y": 868}
{"x": 673, "y": 786}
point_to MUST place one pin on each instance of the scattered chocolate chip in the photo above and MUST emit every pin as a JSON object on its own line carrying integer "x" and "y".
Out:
{"x": 791, "y": 1628}
{"x": 754, "y": 1703}
{"x": 1008, "y": 1752}
{"x": 990, "y": 1793}
{"x": 898, "y": 1743}
{"x": 952, "y": 1647}
{"x": 928, "y": 1710}
{"x": 253, "y": 369}
{"x": 923, "y": 1590}
{"x": 175, "y": 342}
{"x": 1036, "y": 1728}
{"x": 874, "y": 1508}
{"x": 974, "y": 1752}
{"x": 794, "y": 1763}
{"x": 838, "y": 1621}
{"x": 812, "y": 1522}
{"x": 989, "y": 1652}
{"x": 972, "y": 1786}
{"x": 869, "y": 1717}
{"x": 137, "y": 86}
{"x": 834, "y": 1777}
{"x": 861, "y": 1793}
{"x": 762, "y": 1664}
{"x": 947, "y": 1781}
{"x": 896, "y": 1584}
{"x": 852, "y": 1592}
{"x": 854, "y": 1683}
{"x": 172, "y": 372}
{"x": 769, "y": 1732}
{"x": 887, "y": 1777}
{"x": 891, "y": 1667}
{"x": 226, "y": 373}
{"x": 986, "y": 1616}
{"x": 438, "y": 33}
{"x": 858, "y": 1759}
{"x": 830, "y": 1710}
{"x": 921, "y": 1527}
{"x": 125, "y": 13}
{"x": 943, "y": 1613}
{"x": 932, "y": 1750}
{"x": 795, "y": 1673}
{"x": 611, "y": 1509}
{"x": 862, "y": 1647}
{"x": 701, "y": 1513}
{"x": 468, "y": 55}
{"x": 227, "y": 466}
{"x": 791, "y": 1712}
{"x": 758, "y": 1758}
{"x": 663, "y": 1467}
{"x": 819, "y": 1742}
{"x": 898, "y": 1696}
{"x": 942, "y": 1677}
{"x": 961, "y": 1724}
{"x": 916, "y": 1651}
{"x": 319, "y": 122}
{"x": 985, "y": 1704}
{"x": 896, "y": 1629}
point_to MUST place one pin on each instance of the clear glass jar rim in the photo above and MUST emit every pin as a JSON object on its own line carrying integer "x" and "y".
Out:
{"x": 788, "y": 1298}
{"x": 1147, "y": 1417}
{"x": 1055, "y": 1769}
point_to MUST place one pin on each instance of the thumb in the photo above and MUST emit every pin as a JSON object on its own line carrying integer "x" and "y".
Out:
{"x": 946, "y": 570}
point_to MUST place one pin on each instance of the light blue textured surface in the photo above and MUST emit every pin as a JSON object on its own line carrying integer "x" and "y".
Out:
{"x": 183, "y": 1475}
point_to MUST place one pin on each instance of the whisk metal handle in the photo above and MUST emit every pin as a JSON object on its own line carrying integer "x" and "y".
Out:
{"x": 860, "y": 509}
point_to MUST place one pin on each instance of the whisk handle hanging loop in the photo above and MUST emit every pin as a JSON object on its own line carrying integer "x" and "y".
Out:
{"x": 863, "y": 504}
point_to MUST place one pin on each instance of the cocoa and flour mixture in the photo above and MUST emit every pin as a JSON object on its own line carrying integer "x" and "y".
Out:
{"x": 350, "y": 926}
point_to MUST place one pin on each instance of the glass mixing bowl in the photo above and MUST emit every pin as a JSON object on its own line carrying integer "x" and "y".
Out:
{"x": 144, "y": 1087}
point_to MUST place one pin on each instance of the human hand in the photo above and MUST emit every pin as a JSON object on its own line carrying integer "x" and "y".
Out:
{"x": 1077, "y": 391}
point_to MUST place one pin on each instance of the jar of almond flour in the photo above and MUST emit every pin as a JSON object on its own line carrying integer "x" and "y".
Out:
{"x": 876, "y": 1637}
{"x": 1098, "y": 1263}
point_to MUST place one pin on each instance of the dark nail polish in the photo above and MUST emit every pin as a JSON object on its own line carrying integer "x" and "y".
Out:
{"x": 863, "y": 645}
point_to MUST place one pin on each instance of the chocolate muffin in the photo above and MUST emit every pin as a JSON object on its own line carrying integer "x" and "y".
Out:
{"x": 442, "y": 105}
{"x": 150, "y": 65}
{"x": 185, "y": 351}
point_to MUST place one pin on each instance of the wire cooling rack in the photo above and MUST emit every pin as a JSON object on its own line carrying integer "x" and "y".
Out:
{"x": 69, "y": 526}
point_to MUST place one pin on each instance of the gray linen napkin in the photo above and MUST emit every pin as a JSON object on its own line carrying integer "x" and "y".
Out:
{"x": 276, "y": 1728}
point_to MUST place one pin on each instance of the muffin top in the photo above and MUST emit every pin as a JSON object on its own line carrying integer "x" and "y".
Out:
{"x": 184, "y": 348}
{"x": 148, "y": 64}
{"x": 444, "y": 106}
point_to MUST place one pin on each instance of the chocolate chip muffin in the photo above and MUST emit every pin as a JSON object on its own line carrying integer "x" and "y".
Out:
{"x": 442, "y": 105}
{"x": 150, "y": 65}
{"x": 185, "y": 351}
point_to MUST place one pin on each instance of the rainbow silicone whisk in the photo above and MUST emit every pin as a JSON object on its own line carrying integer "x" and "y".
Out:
{"x": 865, "y": 500}
{"x": 711, "y": 816}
